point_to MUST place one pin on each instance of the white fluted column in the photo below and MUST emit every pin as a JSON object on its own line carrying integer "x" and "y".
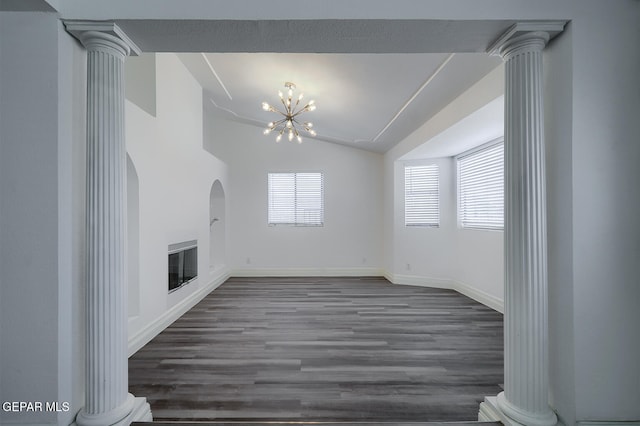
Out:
{"x": 107, "y": 401}
{"x": 525, "y": 396}
{"x": 526, "y": 380}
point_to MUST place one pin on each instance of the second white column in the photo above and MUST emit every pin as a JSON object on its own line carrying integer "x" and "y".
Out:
{"x": 525, "y": 396}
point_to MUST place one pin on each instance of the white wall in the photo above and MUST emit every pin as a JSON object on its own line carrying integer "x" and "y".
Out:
{"x": 72, "y": 65}
{"x": 605, "y": 153}
{"x": 350, "y": 242}
{"x": 424, "y": 255}
{"x": 470, "y": 261}
{"x": 467, "y": 260}
{"x": 41, "y": 216}
{"x": 478, "y": 264}
{"x": 175, "y": 176}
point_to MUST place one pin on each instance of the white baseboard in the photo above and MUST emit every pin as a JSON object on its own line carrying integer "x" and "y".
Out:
{"x": 479, "y": 296}
{"x": 145, "y": 335}
{"x": 420, "y": 281}
{"x": 308, "y": 272}
{"x": 445, "y": 283}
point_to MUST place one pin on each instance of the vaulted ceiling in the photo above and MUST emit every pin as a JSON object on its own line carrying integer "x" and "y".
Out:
{"x": 370, "y": 101}
{"x": 374, "y": 80}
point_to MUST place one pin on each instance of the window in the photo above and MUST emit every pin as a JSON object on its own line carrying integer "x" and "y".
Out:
{"x": 481, "y": 187}
{"x": 296, "y": 199}
{"x": 421, "y": 196}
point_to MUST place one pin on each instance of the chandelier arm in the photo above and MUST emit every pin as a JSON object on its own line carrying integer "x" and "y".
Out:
{"x": 284, "y": 104}
{"x": 277, "y": 123}
{"x": 297, "y": 113}
{"x": 304, "y": 109}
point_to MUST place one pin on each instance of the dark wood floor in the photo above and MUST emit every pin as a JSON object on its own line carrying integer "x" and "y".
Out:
{"x": 324, "y": 349}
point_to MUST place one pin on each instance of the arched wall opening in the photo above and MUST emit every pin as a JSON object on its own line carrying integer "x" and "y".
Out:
{"x": 217, "y": 225}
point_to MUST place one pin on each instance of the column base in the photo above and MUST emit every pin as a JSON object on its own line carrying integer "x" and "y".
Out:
{"x": 141, "y": 412}
{"x": 133, "y": 410}
{"x": 498, "y": 409}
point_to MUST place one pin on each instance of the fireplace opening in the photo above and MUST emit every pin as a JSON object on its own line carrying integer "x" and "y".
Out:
{"x": 183, "y": 264}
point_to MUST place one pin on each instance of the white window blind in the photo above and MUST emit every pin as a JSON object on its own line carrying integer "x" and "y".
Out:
{"x": 296, "y": 199}
{"x": 421, "y": 196}
{"x": 481, "y": 188}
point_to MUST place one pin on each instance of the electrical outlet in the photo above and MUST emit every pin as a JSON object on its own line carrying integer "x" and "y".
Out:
{"x": 408, "y": 266}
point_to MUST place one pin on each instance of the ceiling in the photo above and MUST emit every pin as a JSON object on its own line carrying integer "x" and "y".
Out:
{"x": 370, "y": 101}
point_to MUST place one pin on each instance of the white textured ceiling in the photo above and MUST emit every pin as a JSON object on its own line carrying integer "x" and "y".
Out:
{"x": 483, "y": 125}
{"x": 367, "y": 100}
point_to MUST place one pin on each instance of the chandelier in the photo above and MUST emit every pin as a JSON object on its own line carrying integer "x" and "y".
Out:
{"x": 290, "y": 123}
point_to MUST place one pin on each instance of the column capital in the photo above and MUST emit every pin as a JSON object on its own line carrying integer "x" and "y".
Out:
{"x": 96, "y": 35}
{"x": 534, "y": 34}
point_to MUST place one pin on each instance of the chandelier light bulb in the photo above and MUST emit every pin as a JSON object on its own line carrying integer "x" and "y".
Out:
{"x": 290, "y": 112}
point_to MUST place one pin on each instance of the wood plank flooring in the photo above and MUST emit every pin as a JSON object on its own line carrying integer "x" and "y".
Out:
{"x": 303, "y": 423}
{"x": 323, "y": 349}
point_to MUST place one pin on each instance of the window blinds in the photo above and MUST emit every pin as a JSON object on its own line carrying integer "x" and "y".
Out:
{"x": 421, "y": 196}
{"x": 296, "y": 199}
{"x": 481, "y": 188}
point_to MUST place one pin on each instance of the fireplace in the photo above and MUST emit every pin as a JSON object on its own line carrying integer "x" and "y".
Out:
{"x": 183, "y": 264}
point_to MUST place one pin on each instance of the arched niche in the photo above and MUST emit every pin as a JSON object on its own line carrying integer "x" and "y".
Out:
{"x": 133, "y": 238}
{"x": 217, "y": 225}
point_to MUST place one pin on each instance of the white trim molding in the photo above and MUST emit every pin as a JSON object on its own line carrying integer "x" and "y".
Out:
{"x": 308, "y": 272}
{"x": 420, "y": 281}
{"x": 480, "y": 296}
{"x": 144, "y": 336}
{"x": 489, "y": 412}
{"x": 485, "y": 298}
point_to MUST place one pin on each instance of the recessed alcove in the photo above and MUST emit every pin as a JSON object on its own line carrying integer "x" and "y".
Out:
{"x": 217, "y": 224}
